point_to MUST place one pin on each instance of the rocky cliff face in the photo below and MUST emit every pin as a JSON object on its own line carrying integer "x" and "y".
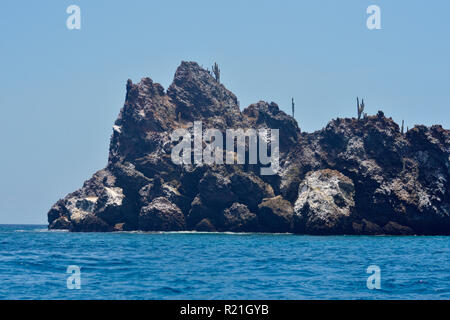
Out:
{"x": 352, "y": 177}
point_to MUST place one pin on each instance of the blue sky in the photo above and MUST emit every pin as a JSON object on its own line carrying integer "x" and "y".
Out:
{"x": 61, "y": 89}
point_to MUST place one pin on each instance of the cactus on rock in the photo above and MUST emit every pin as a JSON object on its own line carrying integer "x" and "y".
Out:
{"x": 216, "y": 71}
{"x": 360, "y": 107}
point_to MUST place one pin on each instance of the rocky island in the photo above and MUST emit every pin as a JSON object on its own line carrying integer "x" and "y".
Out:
{"x": 361, "y": 176}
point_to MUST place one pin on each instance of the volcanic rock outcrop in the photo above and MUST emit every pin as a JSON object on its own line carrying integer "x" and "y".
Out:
{"x": 325, "y": 203}
{"x": 352, "y": 177}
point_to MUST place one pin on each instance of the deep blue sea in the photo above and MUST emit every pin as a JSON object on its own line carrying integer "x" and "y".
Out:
{"x": 34, "y": 262}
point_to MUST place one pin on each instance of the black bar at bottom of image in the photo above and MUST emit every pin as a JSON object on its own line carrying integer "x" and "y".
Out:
{"x": 225, "y": 309}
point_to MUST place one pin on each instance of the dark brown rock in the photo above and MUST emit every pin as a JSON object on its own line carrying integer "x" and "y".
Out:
{"x": 215, "y": 190}
{"x": 88, "y": 222}
{"x": 205, "y": 226}
{"x": 198, "y": 212}
{"x": 250, "y": 189}
{"x": 276, "y": 215}
{"x": 238, "y": 218}
{"x": 269, "y": 115}
{"x": 161, "y": 215}
{"x": 396, "y": 229}
{"x": 196, "y": 95}
{"x": 366, "y": 227}
{"x": 110, "y": 205}
{"x": 61, "y": 223}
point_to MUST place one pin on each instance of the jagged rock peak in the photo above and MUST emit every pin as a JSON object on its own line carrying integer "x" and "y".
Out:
{"x": 198, "y": 95}
{"x": 188, "y": 70}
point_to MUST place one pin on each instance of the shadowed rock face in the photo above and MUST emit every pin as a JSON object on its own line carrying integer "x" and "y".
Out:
{"x": 276, "y": 215}
{"x": 161, "y": 215}
{"x": 351, "y": 177}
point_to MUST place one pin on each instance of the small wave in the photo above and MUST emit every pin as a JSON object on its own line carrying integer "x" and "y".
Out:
{"x": 52, "y": 230}
{"x": 46, "y": 230}
{"x": 201, "y": 232}
{"x": 36, "y": 230}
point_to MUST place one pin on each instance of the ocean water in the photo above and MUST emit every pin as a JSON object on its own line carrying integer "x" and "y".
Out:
{"x": 34, "y": 262}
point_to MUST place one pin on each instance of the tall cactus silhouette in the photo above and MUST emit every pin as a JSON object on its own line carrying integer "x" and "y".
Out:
{"x": 359, "y": 107}
{"x": 293, "y": 107}
{"x": 403, "y": 126}
{"x": 216, "y": 71}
